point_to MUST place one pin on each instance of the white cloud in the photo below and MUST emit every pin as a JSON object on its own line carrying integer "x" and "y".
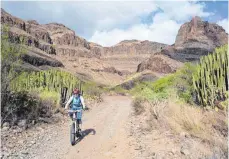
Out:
{"x": 108, "y": 23}
{"x": 100, "y": 15}
{"x": 164, "y": 32}
{"x": 182, "y": 10}
{"x": 224, "y": 24}
{"x": 163, "y": 29}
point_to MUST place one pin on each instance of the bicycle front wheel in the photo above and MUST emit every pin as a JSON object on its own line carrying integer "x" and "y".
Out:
{"x": 72, "y": 134}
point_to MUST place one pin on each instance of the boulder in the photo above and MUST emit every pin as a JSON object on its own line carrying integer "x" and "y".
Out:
{"x": 22, "y": 123}
{"x": 160, "y": 64}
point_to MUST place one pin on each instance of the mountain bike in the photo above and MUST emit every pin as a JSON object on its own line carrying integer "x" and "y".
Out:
{"x": 75, "y": 129}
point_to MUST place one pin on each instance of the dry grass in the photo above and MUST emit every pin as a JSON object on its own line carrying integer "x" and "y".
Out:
{"x": 196, "y": 121}
{"x": 185, "y": 118}
{"x": 169, "y": 124}
{"x": 207, "y": 126}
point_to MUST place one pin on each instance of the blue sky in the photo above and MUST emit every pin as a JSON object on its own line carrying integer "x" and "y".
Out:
{"x": 107, "y": 23}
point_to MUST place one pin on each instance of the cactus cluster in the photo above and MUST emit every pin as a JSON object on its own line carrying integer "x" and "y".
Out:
{"x": 50, "y": 80}
{"x": 210, "y": 81}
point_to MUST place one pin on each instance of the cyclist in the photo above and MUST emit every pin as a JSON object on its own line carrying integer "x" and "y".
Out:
{"x": 77, "y": 103}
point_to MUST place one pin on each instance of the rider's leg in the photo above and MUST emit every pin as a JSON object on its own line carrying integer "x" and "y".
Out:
{"x": 79, "y": 119}
{"x": 80, "y": 123}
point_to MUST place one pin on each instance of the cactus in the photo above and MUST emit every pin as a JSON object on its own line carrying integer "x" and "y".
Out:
{"x": 210, "y": 79}
{"x": 51, "y": 80}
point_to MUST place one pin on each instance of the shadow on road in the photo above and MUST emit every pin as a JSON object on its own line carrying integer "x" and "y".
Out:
{"x": 85, "y": 133}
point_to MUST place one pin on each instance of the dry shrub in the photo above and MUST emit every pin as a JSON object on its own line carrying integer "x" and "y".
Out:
{"x": 94, "y": 93}
{"x": 138, "y": 105}
{"x": 204, "y": 127}
{"x": 185, "y": 118}
{"x": 209, "y": 126}
{"x": 23, "y": 105}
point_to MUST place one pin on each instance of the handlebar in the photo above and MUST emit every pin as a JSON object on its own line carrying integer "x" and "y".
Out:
{"x": 73, "y": 111}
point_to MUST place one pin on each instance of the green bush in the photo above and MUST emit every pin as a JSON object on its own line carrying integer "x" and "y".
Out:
{"x": 23, "y": 105}
{"x": 50, "y": 95}
{"x": 163, "y": 83}
{"x": 183, "y": 83}
{"x": 178, "y": 83}
{"x": 10, "y": 59}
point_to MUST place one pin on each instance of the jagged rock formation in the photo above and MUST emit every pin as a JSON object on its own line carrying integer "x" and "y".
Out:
{"x": 10, "y": 20}
{"x": 54, "y": 38}
{"x": 51, "y": 38}
{"x": 200, "y": 34}
{"x": 40, "y": 60}
{"x": 159, "y": 63}
{"x": 62, "y": 43}
{"x": 194, "y": 39}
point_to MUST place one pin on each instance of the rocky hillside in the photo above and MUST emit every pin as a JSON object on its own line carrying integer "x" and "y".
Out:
{"x": 54, "y": 38}
{"x": 61, "y": 44}
{"x": 127, "y": 54}
{"x": 160, "y": 63}
{"x": 194, "y": 39}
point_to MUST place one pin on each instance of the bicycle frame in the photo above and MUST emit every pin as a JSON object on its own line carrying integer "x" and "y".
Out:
{"x": 74, "y": 118}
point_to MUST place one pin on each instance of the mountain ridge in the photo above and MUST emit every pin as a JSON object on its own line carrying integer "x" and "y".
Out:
{"x": 194, "y": 39}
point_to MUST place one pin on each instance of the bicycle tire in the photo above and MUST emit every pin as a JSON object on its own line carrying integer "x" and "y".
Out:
{"x": 72, "y": 134}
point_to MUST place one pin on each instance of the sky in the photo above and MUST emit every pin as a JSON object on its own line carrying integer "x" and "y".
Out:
{"x": 109, "y": 22}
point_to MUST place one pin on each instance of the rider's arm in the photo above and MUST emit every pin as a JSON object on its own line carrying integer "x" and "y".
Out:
{"x": 82, "y": 101}
{"x": 69, "y": 101}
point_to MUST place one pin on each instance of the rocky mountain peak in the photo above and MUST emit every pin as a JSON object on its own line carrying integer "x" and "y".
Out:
{"x": 34, "y": 22}
{"x": 196, "y": 19}
{"x": 194, "y": 39}
{"x": 128, "y": 41}
{"x": 200, "y": 34}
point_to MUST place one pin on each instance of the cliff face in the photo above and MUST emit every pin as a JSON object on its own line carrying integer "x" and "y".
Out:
{"x": 57, "y": 39}
{"x": 200, "y": 34}
{"x": 51, "y": 38}
{"x": 194, "y": 39}
{"x": 127, "y": 54}
{"x": 134, "y": 47}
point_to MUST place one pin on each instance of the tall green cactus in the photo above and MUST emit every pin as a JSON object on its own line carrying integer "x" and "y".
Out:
{"x": 51, "y": 80}
{"x": 210, "y": 79}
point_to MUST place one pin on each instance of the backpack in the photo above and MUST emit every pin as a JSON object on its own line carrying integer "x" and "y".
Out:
{"x": 76, "y": 102}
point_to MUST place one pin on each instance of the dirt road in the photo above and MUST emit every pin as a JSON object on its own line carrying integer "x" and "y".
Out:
{"x": 105, "y": 130}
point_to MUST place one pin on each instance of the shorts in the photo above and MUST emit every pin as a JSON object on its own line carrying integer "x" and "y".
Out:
{"x": 78, "y": 114}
